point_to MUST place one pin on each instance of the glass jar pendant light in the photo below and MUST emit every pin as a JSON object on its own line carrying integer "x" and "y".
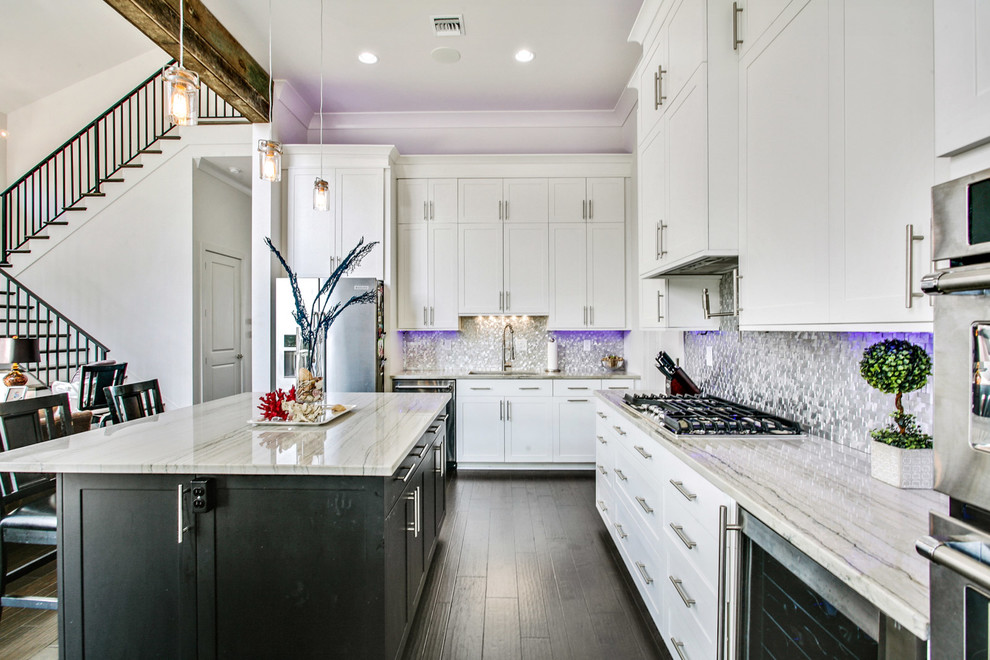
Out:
{"x": 321, "y": 189}
{"x": 270, "y": 151}
{"x": 181, "y": 85}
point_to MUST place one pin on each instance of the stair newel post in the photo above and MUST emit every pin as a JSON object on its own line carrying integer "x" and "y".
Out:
{"x": 96, "y": 157}
{"x": 3, "y": 227}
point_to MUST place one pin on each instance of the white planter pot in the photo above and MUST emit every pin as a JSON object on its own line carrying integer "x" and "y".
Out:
{"x": 904, "y": 468}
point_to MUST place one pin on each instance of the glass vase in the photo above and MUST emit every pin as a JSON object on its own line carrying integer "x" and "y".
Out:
{"x": 310, "y": 369}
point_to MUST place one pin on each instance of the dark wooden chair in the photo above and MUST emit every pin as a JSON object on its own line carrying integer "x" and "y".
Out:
{"x": 134, "y": 400}
{"x": 93, "y": 382}
{"x": 29, "y": 498}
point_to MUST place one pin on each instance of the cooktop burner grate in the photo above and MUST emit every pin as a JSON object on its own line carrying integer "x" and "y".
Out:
{"x": 702, "y": 414}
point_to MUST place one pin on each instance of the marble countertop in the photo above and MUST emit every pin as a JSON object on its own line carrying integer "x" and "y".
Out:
{"x": 217, "y": 438}
{"x": 463, "y": 375}
{"x": 819, "y": 495}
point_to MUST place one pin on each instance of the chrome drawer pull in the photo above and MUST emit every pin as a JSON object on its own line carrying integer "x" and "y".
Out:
{"x": 602, "y": 415}
{"x": 688, "y": 602}
{"x": 602, "y": 440}
{"x": 679, "y": 485}
{"x": 577, "y": 401}
{"x": 601, "y": 505}
{"x": 480, "y": 388}
{"x": 529, "y": 388}
{"x": 601, "y": 468}
{"x": 642, "y": 503}
{"x": 405, "y": 477}
{"x": 642, "y": 451}
{"x": 621, "y": 475}
{"x": 622, "y": 533}
{"x": 685, "y": 539}
{"x": 619, "y": 430}
{"x": 677, "y": 647}
{"x": 577, "y": 388}
{"x": 617, "y": 388}
{"x": 642, "y": 570}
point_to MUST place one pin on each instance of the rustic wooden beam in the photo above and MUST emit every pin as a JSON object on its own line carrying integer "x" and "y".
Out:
{"x": 210, "y": 50}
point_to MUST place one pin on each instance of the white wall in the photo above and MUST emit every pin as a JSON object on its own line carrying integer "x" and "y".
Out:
{"x": 41, "y": 127}
{"x": 126, "y": 274}
{"x": 221, "y": 222}
{"x": 3, "y": 152}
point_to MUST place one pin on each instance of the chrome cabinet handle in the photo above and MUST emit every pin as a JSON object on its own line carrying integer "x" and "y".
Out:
{"x": 661, "y": 97}
{"x": 508, "y": 411}
{"x": 910, "y": 295}
{"x": 577, "y": 401}
{"x": 706, "y": 303}
{"x": 622, "y": 533}
{"x": 601, "y": 505}
{"x": 677, "y": 647}
{"x": 431, "y": 210}
{"x": 688, "y": 602}
{"x": 528, "y": 388}
{"x": 499, "y": 209}
{"x": 584, "y": 209}
{"x": 602, "y": 415}
{"x": 425, "y": 322}
{"x": 181, "y": 526}
{"x": 620, "y": 432}
{"x": 642, "y": 571}
{"x": 506, "y": 209}
{"x": 617, "y": 387}
{"x": 679, "y": 485}
{"x": 591, "y": 209}
{"x": 411, "y": 526}
{"x": 508, "y": 305}
{"x": 425, "y": 215}
{"x": 736, "y": 10}
{"x": 659, "y": 307}
{"x": 642, "y": 451}
{"x": 438, "y": 459}
{"x": 500, "y": 410}
{"x": 656, "y": 91}
{"x": 601, "y": 468}
{"x": 480, "y": 388}
{"x": 419, "y": 510}
{"x": 685, "y": 539}
{"x": 622, "y": 475}
{"x": 643, "y": 503}
{"x": 578, "y": 388}
{"x": 723, "y": 529}
{"x": 432, "y": 322}
{"x": 501, "y": 299}
{"x": 586, "y": 315}
{"x": 591, "y": 314}
{"x": 405, "y": 478}
{"x": 602, "y": 440}
{"x": 661, "y": 230}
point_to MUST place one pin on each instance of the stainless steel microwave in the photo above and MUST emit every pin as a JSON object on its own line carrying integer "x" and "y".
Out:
{"x": 961, "y": 219}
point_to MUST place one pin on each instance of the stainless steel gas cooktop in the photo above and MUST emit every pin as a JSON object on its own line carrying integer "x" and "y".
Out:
{"x": 702, "y": 414}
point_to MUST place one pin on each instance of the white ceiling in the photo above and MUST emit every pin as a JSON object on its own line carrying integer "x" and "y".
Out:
{"x": 583, "y": 60}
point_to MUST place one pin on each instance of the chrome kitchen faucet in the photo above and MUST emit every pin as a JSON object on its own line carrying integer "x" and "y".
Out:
{"x": 507, "y": 360}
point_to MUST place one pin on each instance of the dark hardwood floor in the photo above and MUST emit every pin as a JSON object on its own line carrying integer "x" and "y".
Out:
{"x": 523, "y": 569}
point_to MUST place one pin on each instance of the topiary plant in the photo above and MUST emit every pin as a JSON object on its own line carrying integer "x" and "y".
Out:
{"x": 896, "y": 366}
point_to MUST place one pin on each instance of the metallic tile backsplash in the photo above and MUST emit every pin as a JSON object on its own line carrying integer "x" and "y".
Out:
{"x": 478, "y": 346}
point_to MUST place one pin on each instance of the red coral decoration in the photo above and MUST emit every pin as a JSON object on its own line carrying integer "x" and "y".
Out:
{"x": 271, "y": 404}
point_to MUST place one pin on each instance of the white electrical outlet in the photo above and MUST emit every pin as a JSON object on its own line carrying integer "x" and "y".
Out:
{"x": 587, "y": 345}
{"x": 709, "y": 356}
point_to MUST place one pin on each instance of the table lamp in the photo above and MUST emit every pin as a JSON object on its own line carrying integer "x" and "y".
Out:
{"x": 16, "y": 351}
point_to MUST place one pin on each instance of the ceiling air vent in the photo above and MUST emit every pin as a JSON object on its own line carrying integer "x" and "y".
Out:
{"x": 448, "y": 26}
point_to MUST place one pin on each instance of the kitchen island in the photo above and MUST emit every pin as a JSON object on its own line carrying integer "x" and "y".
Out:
{"x": 195, "y": 533}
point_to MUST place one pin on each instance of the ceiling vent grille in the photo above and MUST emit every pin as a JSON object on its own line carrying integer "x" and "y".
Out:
{"x": 448, "y": 26}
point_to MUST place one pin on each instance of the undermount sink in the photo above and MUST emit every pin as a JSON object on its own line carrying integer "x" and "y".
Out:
{"x": 503, "y": 373}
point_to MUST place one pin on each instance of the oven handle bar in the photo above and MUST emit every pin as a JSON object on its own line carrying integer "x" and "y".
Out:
{"x": 723, "y": 530}
{"x": 956, "y": 281}
{"x": 939, "y": 552}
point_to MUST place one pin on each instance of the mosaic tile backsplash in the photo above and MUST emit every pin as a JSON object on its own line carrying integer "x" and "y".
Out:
{"x": 478, "y": 346}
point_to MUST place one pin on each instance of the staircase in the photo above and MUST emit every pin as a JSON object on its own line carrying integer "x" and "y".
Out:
{"x": 88, "y": 165}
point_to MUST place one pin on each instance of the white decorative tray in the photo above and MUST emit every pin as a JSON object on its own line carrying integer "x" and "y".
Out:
{"x": 328, "y": 416}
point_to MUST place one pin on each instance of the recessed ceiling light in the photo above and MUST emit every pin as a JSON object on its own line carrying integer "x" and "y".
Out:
{"x": 446, "y": 55}
{"x": 524, "y": 55}
{"x": 235, "y": 170}
{"x": 368, "y": 58}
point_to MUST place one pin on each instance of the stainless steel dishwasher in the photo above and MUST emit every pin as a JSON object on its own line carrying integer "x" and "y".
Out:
{"x": 442, "y": 386}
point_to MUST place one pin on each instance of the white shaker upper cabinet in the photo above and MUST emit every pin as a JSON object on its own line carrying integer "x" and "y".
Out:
{"x": 962, "y": 75}
{"x": 426, "y": 200}
{"x": 527, "y": 270}
{"x": 606, "y": 276}
{"x": 312, "y": 241}
{"x": 360, "y": 210}
{"x": 480, "y": 268}
{"x": 412, "y": 277}
{"x": 479, "y": 200}
{"x": 568, "y": 276}
{"x": 525, "y": 200}
{"x": 601, "y": 199}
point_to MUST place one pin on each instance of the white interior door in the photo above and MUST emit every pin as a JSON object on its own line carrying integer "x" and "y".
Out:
{"x": 223, "y": 373}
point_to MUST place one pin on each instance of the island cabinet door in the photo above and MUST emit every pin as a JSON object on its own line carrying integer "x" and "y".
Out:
{"x": 126, "y": 585}
{"x": 396, "y": 603}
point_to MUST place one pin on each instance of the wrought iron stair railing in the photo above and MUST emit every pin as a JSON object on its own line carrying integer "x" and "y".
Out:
{"x": 64, "y": 345}
{"x": 90, "y": 159}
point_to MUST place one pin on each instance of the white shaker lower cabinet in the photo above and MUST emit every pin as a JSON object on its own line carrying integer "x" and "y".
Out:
{"x": 528, "y": 429}
{"x": 480, "y": 432}
{"x": 665, "y": 519}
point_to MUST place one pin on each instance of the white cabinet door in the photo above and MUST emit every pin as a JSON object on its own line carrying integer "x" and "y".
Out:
{"x": 653, "y": 303}
{"x": 480, "y": 429}
{"x": 756, "y": 17}
{"x": 568, "y": 200}
{"x": 687, "y": 171}
{"x": 607, "y": 199}
{"x": 527, "y": 270}
{"x": 785, "y": 200}
{"x": 568, "y": 276}
{"x": 525, "y": 200}
{"x": 687, "y": 41}
{"x": 651, "y": 103}
{"x": 311, "y": 233}
{"x": 529, "y": 429}
{"x": 480, "y": 268}
{"x": 479, "y": 200}
{"x": 443, "y": 276}
{"x": 360, "y": 210}
{"x": 443, "y": 200}
{"x": 411, "y": 200}
{"x": 606, "y": 276}
{"x": 412, "y": 277}
{"x": 962, "y": 75}
{"x": 652, "y": 189}
{"x": 574, "y": 430}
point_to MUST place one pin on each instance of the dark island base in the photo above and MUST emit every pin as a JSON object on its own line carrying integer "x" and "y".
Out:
{"x": 324, "y": 566}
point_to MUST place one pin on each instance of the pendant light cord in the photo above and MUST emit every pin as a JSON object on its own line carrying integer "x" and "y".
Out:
{"x": 321, "y": 88}
{"x": 271, "y": 73}
{"x": 182, "y": 29}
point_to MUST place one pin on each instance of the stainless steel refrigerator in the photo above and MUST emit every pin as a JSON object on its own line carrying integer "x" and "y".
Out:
{"x": 355, "y": 344}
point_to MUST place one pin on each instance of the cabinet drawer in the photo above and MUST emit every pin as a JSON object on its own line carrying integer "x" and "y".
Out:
{"x": 694, "y": 494}
{"x": 644, "y": 559}
{"x": 692, "y": 538}
{"x": 604, "y": 498}
{"x": 684, "y": 632}
{"x": 503, "y": 387}
{"x": 640, "y": 494}
{"x": 576, "y": 387}
{"x": 690, "y": 587}
{"x": 618, "y": 384}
